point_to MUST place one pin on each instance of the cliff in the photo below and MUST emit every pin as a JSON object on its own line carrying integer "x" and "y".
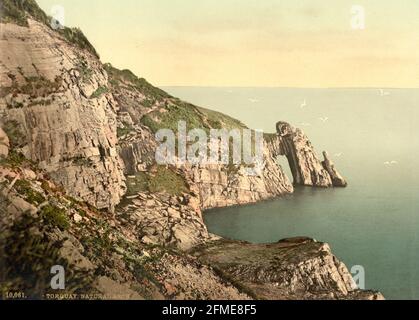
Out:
{"x": 78, "y": 178}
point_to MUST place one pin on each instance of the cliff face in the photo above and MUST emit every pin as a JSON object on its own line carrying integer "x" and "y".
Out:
{"x": 51, "y": 109}
{"x": 77, "y": 136}
{"x": 298, "y": 269}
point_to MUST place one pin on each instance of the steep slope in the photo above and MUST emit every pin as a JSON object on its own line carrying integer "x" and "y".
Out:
{"x": 50, "y": 111}
{"x": 79, "y": 179}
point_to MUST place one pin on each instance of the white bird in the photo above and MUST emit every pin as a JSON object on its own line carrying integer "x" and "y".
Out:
{"x": 304, "y": 104}
{"x": 305, "y": 124}
{"x": 253, "y": 100}
{"x": 391, "y": 163}
{"x": 384, "y": 93}
{"x": 325, "y": 119}
{"x": 338, "y": 155}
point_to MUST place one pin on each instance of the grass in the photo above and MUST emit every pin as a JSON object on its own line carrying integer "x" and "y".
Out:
{"x": 163, "y": 180}
{"x": 120, "y": 132}
{"x": 128, "y": 80}
{"x": 28, "y": 253}
{"x": 17, "y": 11}
{"x": 55, "y": 216}
{"x": 195, "y": 118}
{"x": 35, "y": 87}
{"x": 13, "y": 130}
{"x": 83, "y": 67}
{"x": 24, "y": 188}
{"x": 166, "y": 180}
{"x": 99, "y": 92}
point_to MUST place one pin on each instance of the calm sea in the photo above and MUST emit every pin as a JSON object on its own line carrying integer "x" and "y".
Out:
{"x": 373, "y": 137}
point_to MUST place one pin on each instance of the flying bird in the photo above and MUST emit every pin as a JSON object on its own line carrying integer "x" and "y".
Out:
{"x": 253, "y": 100}
{"x": 338, "y": 155}
{"x": 325, "y": 119}
{"x": 304, "y": 104}
{"x": 391, "y": 163}
{"x": 384, "y": 93}
{"x": 305, "y": 124}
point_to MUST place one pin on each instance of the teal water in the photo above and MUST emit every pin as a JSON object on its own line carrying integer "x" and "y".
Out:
{"x": 375, "y": 221}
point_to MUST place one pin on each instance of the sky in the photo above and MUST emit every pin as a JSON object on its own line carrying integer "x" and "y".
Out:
{"x": 254, "y": 43}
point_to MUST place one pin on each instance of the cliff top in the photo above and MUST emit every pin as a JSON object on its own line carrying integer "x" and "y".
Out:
{"x": 18, "y": 12}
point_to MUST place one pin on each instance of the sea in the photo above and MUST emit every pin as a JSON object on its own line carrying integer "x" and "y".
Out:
{"x": 372, "y": 135}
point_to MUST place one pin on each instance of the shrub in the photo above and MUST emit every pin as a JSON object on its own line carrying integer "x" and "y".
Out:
{"x": 55, "y": 216}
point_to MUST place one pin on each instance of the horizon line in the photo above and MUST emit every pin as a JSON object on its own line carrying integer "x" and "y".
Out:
{"x": 283, "y": 87}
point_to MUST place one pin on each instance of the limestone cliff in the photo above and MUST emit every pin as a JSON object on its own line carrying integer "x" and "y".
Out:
{"x": 306, "y": 168}
{"x": 78, "y": 174}
{"x": 52, "y": 110}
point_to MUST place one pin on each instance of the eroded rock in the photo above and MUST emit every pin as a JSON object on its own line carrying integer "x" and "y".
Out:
{"x": 4, "y": 144}
{"x": 306, "y": 168}
{"x": 298, "y": 268}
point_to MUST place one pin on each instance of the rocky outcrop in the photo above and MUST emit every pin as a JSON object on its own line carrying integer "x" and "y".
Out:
{"x": 306, "y": 168}
{"x": 299, "y": 268}
{"x": 161, "y": 219}
{"x": 4, "y": 144}
{"x": 88, "y": 131}
{"x": 101, "y": 253}
{"x": 337, "y": 179}
{"x": 55, "y": 104}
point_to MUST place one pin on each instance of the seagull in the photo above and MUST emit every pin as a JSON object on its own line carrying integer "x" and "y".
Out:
{"x": 325, "y": 119}
{"x": 391, "y": 163}
{"x": 384, "y": 93}
{"x": 387, "y": 163}
{"x": 305, "y": 124}
{"x": 338, "y": 155}
{"x": 304, "y": 104}
{"x": 394, "y": 162}
{"x": 253, "y": 100}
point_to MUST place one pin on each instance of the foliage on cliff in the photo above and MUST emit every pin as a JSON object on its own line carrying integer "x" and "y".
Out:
{"x": 18, "y": 11}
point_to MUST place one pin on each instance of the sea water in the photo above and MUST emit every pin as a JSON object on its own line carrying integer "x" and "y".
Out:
{"x": 372, "y": 135}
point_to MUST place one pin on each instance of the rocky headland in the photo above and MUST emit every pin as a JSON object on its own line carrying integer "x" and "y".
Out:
{"x": 80, "y": 187}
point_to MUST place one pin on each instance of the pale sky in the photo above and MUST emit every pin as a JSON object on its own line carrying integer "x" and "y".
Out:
{"x": 278, "y": 43}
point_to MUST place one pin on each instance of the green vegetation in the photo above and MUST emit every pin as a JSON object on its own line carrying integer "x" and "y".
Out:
{"x": 24, "y": 188}
{"x": 27, "y": 256}
{"x": 120, "y": 132}
{"x": 99, "y": 92}
{"x": 83, "y": 67}
{"x": 17, "y": 11}
{"x": 14, "y": 131}
{"x": 35, "y": 87}
{"x": 76, "y": 36}
{"x": 195, "y": 117}
{"x": 163, "y": 180}
{"x": 166, "y": 180}
{"x": 55, "y": 216}
{"x": 128, "y": 79}
{"x": 14, "y": 160}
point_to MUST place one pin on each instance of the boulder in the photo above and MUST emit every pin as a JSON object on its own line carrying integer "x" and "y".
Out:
{"x": 4, "y": 144}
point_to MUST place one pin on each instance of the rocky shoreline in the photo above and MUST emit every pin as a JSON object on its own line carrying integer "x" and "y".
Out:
{"x": 78, "y": 178}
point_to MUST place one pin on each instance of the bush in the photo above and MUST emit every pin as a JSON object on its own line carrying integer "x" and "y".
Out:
{"x": 55, "y": 216}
